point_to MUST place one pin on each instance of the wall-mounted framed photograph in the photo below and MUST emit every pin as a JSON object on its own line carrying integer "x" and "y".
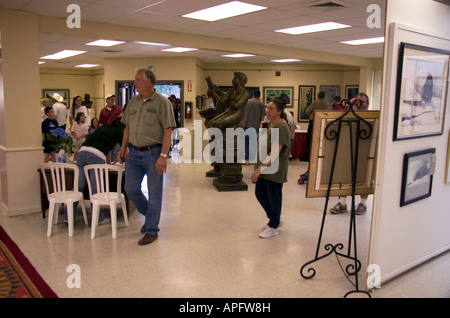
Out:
{"x": 421, "y": 91}
{"x": 322, "y": 154}
{"x": 351, "y": 91}
{"x": 306, "y": 95}
{"x": 274, "y": 92}
{"x": 62, "y": 95}
{"x": 331, "y": 91}
{"x": 417, "y": 177}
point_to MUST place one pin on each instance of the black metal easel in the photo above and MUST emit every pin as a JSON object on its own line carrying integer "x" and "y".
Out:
{"x": 359, "y": 129}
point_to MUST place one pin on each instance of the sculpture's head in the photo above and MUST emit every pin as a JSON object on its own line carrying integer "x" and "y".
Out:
{"x": 242, "y": 77}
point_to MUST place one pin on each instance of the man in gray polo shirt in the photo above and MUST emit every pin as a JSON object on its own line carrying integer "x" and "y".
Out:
{"x": 255, "y": 110}
{"x": 149, "y": 124}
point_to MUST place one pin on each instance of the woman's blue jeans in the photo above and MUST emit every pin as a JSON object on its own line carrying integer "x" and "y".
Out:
{"x": 138, "y": 164}
{"x": 269, "y": 195}
{"x": 86, "y": 158}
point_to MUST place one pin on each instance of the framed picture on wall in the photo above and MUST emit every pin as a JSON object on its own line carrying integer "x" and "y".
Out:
{"x": 249, "y": 89}
{"x": 422, "y": 76}
{"x": 62, "y": 95}
{"x": 306, "y": 95}
{"x": 351, "y": 91}
{"x": 273, "y": 92}
{"x": 331, "y": 91}
{"x": 417, "y": 177}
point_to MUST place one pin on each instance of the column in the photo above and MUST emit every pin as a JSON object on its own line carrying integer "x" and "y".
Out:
{"x": 20, "y": 133}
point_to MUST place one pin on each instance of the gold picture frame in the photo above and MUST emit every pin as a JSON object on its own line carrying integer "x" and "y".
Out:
{"x": 322, "y": 153}
{"x": 63, "y": 92}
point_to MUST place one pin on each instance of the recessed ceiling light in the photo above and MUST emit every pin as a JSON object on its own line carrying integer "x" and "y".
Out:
{"x": 314, "y": 28}
{"x": 62, "y": 54}
{"x": 365, "y": 41}
{"x": 40, "y": 62}
{"x": 238, "y": 55}
{"x": 87, "y": 65}
{"x": 223, "y": 11}
{"x": 105, "y": 43}
{"x": 151, "y": 43}
{"x": 285, "y": 60}
{"x": 179, "y": 49}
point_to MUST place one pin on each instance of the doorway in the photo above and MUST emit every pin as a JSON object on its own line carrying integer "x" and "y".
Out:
{"x": 125, "y": 90}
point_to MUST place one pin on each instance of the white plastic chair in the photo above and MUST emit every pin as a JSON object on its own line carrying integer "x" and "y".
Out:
{"x": 104, "y": 196}
{"x": 59, "y": 193}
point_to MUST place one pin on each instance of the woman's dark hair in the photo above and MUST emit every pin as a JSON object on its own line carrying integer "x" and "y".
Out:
{"x": 73, "y": 105}
{"x": 279, "y": 103}
{"x": 78, "y": 117}
{"x": 92, "y": 121}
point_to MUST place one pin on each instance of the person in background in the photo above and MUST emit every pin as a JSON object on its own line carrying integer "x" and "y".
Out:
{"x": 94, "y": 124}
{"x": 79, "y": 131}
{"x": 268, "y": 188}
{"x": 47, "y": 126}
{"x": 110, "y": 111}
{"x": 318, "y": 104}
{"x": 254, "y": 114}
{"x": 77, "y": 106}
{"x": 45, "y": 102}
{"x": 176, "y": 108}
{"x": 60, "y": 110}
{"x": 361, "y": 103}
{"x": 337, "y": 104}
{"x": 107, "y": 115}
{"x": 94, "y": 151}
{"x": 149, "y": 124}
{"x": 291, "y": 123}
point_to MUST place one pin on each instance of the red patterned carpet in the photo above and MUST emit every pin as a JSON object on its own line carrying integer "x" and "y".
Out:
{"x": 18, "y": 278}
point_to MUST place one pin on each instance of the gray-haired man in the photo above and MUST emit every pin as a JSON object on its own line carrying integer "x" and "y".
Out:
{"x": 149, "y": 124}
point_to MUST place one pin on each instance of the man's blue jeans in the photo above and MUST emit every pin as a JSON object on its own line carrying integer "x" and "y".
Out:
{"x": 269, "y": 195}
{"x": 138, "y": 164}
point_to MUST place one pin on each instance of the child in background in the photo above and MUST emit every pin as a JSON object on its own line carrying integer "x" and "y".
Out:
{"x": 79, "y": 132}
{"x": 47, "y": 126}
{"x": 94, "y": 124}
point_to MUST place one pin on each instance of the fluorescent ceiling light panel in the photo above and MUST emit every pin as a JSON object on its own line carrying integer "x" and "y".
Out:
{"x": 179, "y": 49}
{"x": 40, "y": 62}
{"x": 365, "y": 41}
{"x": 62, "y": 54}
{"x": 285, "y": 60}
{"x": 87, "y": 65}
{"x": 238, "y": 55}
{"x": 314, "y": 28}
{"x": 105, "y": 43}
{"x": 151, "y": 43}
{"x": 223, "y": 11}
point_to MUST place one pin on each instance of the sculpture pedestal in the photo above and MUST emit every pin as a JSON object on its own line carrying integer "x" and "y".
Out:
{"x": 215, "y": 172}
{"x": 229, "y": 177}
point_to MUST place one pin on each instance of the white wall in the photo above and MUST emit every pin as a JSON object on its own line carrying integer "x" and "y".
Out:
{"x": 403, "y": 237}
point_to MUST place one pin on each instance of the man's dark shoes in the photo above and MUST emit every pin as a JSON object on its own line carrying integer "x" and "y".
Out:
{"x": 147, "y": 239}
{"x": 143, "y": 229}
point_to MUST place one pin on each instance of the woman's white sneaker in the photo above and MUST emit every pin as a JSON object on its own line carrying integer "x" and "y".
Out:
{"x": 268, "y": 232}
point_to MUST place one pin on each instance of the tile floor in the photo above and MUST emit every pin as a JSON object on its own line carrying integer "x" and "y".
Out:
{"x": 209, "y": 247}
